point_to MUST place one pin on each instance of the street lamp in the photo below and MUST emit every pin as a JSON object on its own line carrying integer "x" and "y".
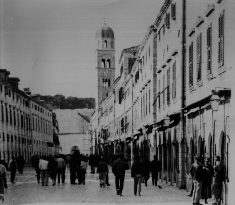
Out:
{"x": 167, "y": 121}
{"x": 215, "y": 100}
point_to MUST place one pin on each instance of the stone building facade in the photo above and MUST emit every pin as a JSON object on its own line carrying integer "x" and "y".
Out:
{"x": 26, "y": 123}
{"x": 181, "y": 92}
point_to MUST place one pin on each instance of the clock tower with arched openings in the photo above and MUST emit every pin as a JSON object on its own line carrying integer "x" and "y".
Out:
{"x": 105, "y": 61}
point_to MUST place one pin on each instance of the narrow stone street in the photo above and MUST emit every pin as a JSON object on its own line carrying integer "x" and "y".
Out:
{"x": 26, "y": 190}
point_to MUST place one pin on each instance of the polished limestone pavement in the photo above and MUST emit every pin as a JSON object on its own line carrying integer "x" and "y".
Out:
{"x": 26, "y": 190}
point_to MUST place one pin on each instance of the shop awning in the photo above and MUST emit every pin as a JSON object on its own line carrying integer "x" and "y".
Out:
{"x": 199, "y": 103}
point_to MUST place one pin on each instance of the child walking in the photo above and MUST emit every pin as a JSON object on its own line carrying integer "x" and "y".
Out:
{"x": 83, "y": 170}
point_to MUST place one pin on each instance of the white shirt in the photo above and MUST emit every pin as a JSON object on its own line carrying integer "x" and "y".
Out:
{"x": 43, "y": 164}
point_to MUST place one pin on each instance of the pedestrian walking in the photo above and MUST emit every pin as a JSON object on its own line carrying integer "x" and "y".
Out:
{"x": 102, "y": 170}
{"x": 61, "y": 169}
{"x": 197, "y": 175}
{"x": 146, "y": 170}
{"x": 83, "y": 170}
{"x": 92, "y": 163}
{"x": 43, "y": 166}
{"x": 137, "y": 172}
{"x": 74, "y": 165}
{"x": 219, "y": 169}
{"x": 35, "y": 164}
{"x": 3, "y": 171}
{"x": 119, "y": 167}
{"x": 12, "y": 169}
{"x": 208, "y": 173}
{"x": 107, "y": 175}
{"x": 20, "y": 163}
{"x": 1, "y": 188}
{"x": 53, "y": 169}
{"x": 155, "y": 168}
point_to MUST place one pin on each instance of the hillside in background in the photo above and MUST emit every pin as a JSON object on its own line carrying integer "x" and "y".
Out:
{"x": 61, "y": 102}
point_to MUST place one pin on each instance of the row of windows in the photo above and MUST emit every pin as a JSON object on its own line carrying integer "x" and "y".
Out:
{"x": 208, "y": 50}
{"x": 168, "y": 86}
{"x": 14, "y": 138}
{"x": 41, "y": 125}
{"x": 15, "y": 118}
{"x": 145, "y": 103}
{"x": 41, "y": 110}
{"x": 14, "y": 96}
{"x": 24, "y": 102}
{"x": 168, "y": 20}
{"x": 22, "y": 120}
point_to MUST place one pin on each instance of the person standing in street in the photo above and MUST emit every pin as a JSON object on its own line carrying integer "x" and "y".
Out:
{"x": 154, "y": 168}
{"x": 74, "y": 165}
{"x": 3, "y": 171}
{"x": 83, "y": 170}
{"x": 146, "y": 170}
{"x": 107, "y": 175}
{"x": 12, "y": 169}
{"x": 219, "y": 179}
{"x": 43, "y": 166}
{"x": 137, "y": 171}
{"x": 61, "y": 169}
{"x": 102, "y": 170}
{"x": 119, "y": 167}
{"x": 35, "y": 164}
{"x": 53, "y": 169}
{"x": 1, "y": 188}
{"x": 92, "y": 163}
{"x": 20, "y": 163}
{"x": 197, "y": 175}
{"x": 208, "y": 173}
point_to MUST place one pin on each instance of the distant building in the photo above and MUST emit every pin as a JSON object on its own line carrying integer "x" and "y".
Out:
{"x": 73, "y": 129}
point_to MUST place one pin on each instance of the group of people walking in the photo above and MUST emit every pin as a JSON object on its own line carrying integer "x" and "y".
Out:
{"x": 46, "y": 167}
{"x": 140, "y": 171}
{"x": 202, "y": 173}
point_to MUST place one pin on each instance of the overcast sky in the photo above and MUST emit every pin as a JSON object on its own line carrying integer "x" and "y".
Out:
{"x": 50, "y": 44}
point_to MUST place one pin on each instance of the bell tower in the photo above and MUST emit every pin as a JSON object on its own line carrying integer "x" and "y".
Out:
{"x": 105, "y": 61}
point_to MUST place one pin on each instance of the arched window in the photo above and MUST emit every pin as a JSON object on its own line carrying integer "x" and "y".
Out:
{"x": 105, "y": 43}
{"x": 103, "y": 63}
{"x": 108, "y": 63}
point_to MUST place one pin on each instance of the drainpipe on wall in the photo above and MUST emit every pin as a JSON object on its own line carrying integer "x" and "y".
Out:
{"x": 183, "y": 90}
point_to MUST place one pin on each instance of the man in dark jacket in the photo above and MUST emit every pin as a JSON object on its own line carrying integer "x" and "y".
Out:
{"x": 12, "y": 169}
{"x": 146, "y": 170}
{"x": 3, "y": 171}
{"x": 20, "y": 164}
{"x": 92, "y": 163}
{"x": 35, "y": 164}
{"x": 197, "y": 175}
{"x": 74, "y": 164}
{"x": 102, "y": 169}
{"x": 219, "y": 169}
{"x": 1, "y": 188}
{"x": 155, "y": 168}
{"x": 137, "y": 171}
{"x": 118, "y": 169}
